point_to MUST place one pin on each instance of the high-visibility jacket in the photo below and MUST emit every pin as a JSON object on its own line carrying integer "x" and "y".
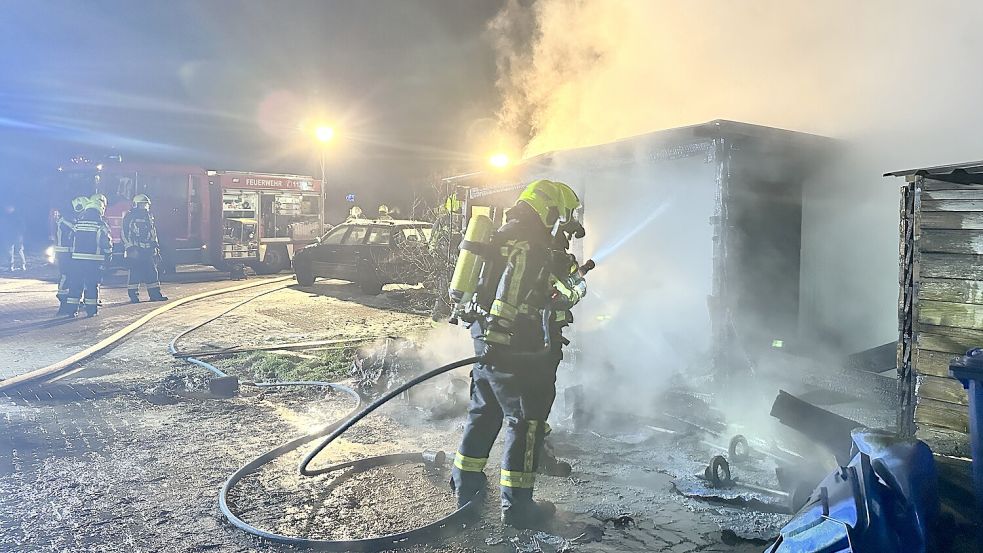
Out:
{"x": 64, "y": 232}
{"x": 519, "y": 286}
{"x": 91, "y": 240}
{"x": 139, "y": 230}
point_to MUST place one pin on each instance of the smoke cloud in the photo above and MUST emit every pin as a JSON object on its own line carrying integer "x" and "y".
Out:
{"x": 894, "y": 81}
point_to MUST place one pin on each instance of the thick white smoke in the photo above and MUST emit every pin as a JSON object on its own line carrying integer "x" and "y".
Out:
{"x": 894, "y": 80}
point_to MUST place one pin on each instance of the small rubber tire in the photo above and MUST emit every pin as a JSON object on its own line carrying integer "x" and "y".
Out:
{"x": 739, "y": 450}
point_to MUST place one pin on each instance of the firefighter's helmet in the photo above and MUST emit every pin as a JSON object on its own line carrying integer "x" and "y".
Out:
{"x": 141, "y": 199}
{"x": 98, "y": 201}
{"x": 552, "y": 201}
{"x": 80, "y": 203}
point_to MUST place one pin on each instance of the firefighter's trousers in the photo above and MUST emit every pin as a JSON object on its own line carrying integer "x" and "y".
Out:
{"x": 64, "y": 261}
{"x": 143, "y": 270}
{"x": 83, "y": 284}
{"x": 519, "y": 390}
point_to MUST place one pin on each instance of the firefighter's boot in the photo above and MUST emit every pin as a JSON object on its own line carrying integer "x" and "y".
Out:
{"x": 521, "y": 512}
{"x": 551, "y": 466}
{"x": 134, "y": 296}
{"x": 468, "y": 486}
{"x": 66, "y": 309}
{"x": 91, "y": 310}
{"x": 155, "y": 294}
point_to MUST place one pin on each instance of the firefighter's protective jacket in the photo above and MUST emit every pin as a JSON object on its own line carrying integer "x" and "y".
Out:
{"x": 64, "y": 231}
{"x": 139, "y": 230}
{"x": 521, "y": 282}
{"x": 91, "y": 240}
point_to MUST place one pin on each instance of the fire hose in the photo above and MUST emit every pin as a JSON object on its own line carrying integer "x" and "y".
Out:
{"x": 438, "y": 529}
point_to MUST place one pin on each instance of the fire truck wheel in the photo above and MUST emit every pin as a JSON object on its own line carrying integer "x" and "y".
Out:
{"x": 275, "y": 261}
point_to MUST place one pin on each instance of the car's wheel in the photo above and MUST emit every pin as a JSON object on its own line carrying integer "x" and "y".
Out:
{"x": 304, "y": 274}
{"x": 370, "y": 287}
{"x": 275, "y": 261}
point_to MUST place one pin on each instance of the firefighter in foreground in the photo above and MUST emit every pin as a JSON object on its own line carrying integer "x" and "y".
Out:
{"x": 516, "y": 287}
{"x": 91, "y": 251}
{"x": 141, "y": 249}
{"x": 64, "y": 234}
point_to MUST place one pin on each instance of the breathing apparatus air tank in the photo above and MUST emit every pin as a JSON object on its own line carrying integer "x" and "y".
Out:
{"x": 471, "y": 260}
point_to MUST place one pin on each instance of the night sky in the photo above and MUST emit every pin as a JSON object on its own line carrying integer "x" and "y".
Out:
{"x": 227, "y": 84}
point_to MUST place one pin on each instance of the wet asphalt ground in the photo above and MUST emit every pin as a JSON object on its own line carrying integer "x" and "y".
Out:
{"x": 128, "y": 454}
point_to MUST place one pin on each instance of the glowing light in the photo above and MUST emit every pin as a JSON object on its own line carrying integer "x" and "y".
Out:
{"x": 499, "y": 160}
{"x": 324, "y": 134}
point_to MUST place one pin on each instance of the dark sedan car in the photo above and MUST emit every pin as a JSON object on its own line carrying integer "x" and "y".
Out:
{"x": 371, "y": 253}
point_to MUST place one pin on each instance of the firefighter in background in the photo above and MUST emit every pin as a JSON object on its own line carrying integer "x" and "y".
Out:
{"x": 92, "y": 249}
{"x": 64, "y": 233}
{"x": 142, "y": 249}
{"x": 384, "y": 214}
{"x": 521, "y": 303}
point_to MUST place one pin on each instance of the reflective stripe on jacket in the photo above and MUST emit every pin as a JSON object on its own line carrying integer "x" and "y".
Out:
{"x": 139, "y": 230}
{"x": 63, "y": 235}
{"x": 91, "y": 240}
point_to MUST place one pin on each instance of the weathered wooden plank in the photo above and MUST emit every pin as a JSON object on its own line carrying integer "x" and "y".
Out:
{"x": 941, "y": 415}
{"x": 970, "y": 192}
{"x": 954, "y": 341}
{"x": 941, "y": 313}
{"x": 951, "y": 241}
{"x": 944, "y": 441}
{"x": 952, "y": 205}
{"x": 951, "y": 290}
{"x": 948, "y": 390}
{"x": 952, "y": 220}
{"x": 950, "y": 265}
{"x": 932, "y": 363}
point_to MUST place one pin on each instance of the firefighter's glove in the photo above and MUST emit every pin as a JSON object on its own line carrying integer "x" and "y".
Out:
{"x": 568, "y": 292}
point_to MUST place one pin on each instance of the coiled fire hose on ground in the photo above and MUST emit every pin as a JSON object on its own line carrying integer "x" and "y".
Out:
{"x": 436, "y": 530}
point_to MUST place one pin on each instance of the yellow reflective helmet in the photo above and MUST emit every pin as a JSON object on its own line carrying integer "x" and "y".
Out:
{"x": 80, "y": 203}
{"x": 98, "y": 201}
{"x": 551, "y": 200}
{"x": 141, "y": 199}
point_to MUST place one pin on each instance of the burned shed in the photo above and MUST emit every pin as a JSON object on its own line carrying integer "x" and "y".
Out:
{"x": 940, "y": 303}
{"x": 697, "y": 235}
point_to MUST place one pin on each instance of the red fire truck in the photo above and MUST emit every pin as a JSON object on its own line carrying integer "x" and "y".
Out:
{"x": 212, "y": 217}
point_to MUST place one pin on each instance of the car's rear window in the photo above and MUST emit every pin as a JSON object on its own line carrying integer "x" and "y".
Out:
{"x": 412, "y": 234}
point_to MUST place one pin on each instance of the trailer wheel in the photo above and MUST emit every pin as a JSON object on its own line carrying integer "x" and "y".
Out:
{"x": 275, "y": 261}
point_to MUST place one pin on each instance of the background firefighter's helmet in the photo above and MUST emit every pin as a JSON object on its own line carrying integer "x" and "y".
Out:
{"x": 551, "y": 200}
{"x": 98, "y": 201}
{"x": 141, "y": 199}
{"x": 80, "y": 203}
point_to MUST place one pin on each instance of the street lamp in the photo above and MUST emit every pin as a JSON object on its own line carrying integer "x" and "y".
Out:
{"x": 499, "y": 160}
{"x": 324, "y": 134}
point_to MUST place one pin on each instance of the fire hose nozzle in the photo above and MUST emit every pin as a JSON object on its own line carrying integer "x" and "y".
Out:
{"x": 587, "y": 267}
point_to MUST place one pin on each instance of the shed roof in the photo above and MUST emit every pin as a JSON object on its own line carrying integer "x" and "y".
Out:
{"x": 970, "y": 172}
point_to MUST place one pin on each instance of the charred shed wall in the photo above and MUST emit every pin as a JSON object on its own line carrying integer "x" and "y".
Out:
{"x": 940, "y": 308}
